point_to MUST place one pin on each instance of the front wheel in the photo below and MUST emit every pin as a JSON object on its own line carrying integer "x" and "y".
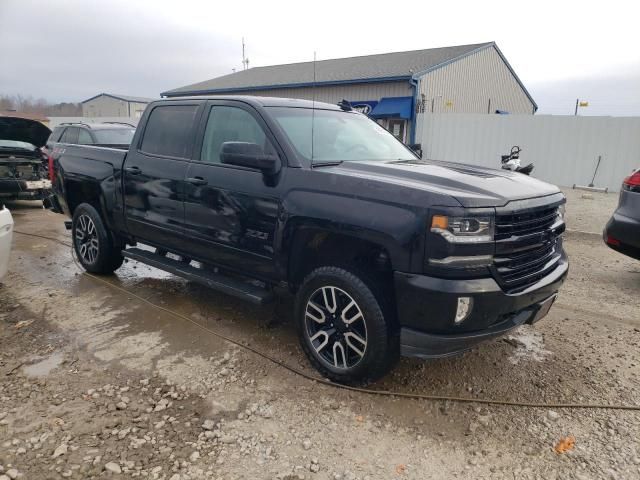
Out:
{"x": 92, "y": 243}
{"x": 342, "y": 327}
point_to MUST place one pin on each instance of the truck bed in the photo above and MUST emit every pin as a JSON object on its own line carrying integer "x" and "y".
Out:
{"x": 70, "y": 154}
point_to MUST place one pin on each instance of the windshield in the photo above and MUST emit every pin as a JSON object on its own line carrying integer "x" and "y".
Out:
{"x": 338, "y": 136}
{"x": 114, "y": 136}
{"x": 13, "y": 144}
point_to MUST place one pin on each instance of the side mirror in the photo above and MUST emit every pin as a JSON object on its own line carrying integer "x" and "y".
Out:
{"x": 250, "y": 155}
{"x": 417, "y": 149}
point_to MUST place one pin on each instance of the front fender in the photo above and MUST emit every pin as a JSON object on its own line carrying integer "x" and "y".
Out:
{"x": 399, "y": 229}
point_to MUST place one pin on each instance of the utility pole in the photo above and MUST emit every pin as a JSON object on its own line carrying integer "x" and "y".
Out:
{"x": 575, "y": 114}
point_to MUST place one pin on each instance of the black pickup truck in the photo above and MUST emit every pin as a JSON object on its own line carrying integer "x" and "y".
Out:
{"x": 386, "y": 254}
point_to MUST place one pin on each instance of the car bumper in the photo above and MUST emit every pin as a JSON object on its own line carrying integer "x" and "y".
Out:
{"x": 427, "y": 307}
{"x": 622, "y": 234}
{"x": 24, "y": 189}
{"x": 6, "y": 232}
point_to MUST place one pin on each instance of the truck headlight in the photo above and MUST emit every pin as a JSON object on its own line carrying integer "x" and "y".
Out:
{"x": 463, "y": 229}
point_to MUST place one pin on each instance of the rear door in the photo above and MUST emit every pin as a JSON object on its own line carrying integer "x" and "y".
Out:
{"x": 154, "y": 174}
{"x": 231, "y": 212}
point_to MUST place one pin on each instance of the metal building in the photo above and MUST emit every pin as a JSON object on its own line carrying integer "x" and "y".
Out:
{"x": 391, "y": 87}
{"x": 110, "y": 105}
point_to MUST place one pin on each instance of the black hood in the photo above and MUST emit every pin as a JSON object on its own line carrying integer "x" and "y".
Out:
{"x": 24, "y": 130}
{"x": 470, "y": 185}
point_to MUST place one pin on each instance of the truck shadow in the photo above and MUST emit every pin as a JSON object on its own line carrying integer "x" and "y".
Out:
{"x": 547, "y": 362}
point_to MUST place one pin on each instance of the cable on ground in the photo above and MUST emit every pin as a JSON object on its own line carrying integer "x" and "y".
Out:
{"x": 323, "y": 381}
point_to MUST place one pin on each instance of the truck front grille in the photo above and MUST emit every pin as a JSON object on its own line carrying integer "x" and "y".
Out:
{"x": 528, "y": 246}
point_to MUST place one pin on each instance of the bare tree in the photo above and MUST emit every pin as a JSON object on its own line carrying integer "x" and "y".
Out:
{"x": 38, "y": 106}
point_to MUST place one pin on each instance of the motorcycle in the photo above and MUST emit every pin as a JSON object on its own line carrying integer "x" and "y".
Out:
{"x": 512, "y": 162}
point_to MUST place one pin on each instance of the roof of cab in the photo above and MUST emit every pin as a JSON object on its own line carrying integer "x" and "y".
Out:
{"x": 97, "y": 125}
{"x": 259, "y": 101}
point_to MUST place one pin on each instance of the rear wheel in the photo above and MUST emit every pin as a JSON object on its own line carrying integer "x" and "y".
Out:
{"x": 342, "y": 327}
{"x": 93, "y": 245}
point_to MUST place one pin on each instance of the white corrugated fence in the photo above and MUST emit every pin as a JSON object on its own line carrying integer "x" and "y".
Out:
{"x": 564, "y": 149}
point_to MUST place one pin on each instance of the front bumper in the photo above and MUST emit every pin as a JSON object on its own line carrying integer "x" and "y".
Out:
{"x": 427, "y": 306}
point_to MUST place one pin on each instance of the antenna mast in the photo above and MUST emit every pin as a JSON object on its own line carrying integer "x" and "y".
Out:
{"x": 313, "y": 102}
{"x": 245, "y": 60}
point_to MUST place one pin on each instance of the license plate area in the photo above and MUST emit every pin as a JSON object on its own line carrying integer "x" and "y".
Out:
{"x": 544, "y": 308}
{"x": 38, "y": 184}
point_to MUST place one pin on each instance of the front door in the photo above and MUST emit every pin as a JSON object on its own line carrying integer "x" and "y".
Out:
{"x": 154, "y": 176}
{"x": 230, "y": 211}
{"x": 397, "y": 128}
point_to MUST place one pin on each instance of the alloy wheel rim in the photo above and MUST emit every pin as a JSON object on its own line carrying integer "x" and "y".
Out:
{"x": 336, "y": 327}
{"x": 86, "y": 237}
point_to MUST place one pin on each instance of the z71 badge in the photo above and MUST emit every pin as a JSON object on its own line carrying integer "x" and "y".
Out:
{"x": 257, "y": 234}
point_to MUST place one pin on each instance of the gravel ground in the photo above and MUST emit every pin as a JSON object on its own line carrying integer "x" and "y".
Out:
{"x": 96, "y": 384}
{"x": 589, "y": 211}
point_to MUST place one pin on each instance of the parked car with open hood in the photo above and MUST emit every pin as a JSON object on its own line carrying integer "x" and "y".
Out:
{"x": 23, "y": 165}
{"x": 385, "y": 253}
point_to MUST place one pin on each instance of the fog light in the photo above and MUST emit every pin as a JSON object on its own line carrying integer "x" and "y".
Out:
{"x": 465, "y": 304}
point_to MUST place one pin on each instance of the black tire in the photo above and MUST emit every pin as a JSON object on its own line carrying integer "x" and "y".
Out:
{"x": 349, "y": 364}
{"x": 92, "y": 242}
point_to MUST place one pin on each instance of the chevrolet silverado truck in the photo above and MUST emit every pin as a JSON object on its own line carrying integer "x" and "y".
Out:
{"x": 385, "y": 254}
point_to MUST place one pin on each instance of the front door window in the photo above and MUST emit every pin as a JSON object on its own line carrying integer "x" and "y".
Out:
{"x": 231, "y": 124}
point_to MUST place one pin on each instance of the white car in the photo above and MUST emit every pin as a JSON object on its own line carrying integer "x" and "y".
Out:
{"x": 6, "y": 232}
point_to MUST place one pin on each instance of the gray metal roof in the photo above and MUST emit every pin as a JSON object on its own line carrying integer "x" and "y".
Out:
{"x": 126, "y": 98}
{"x": 369, "y": 68}
{"x": 260, "y": 101}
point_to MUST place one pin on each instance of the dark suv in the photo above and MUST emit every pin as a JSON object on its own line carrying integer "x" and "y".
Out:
{"x": 622, "y": 232}
{"x": 106, "y": 134}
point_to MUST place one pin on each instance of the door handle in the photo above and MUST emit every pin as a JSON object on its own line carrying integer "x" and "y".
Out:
{"x": 197, "y": 181}
{"x": 133, "y": 170}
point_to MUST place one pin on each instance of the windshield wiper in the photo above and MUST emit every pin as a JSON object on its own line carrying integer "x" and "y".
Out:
{"x": 326, "y": 164}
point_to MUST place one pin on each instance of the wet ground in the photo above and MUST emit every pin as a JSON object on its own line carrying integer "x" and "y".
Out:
{"x": 67, "y": 338}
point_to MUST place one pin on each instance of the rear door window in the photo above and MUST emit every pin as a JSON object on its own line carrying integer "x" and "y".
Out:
{"x": 56, "y": 134}
{"x": 169, "y": 131}
{"x": 84, "y": 137}
{"x": 70, "y": 135}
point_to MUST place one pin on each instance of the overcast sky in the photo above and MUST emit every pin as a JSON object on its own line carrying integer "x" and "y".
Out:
{"x": 70, "y": 50}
